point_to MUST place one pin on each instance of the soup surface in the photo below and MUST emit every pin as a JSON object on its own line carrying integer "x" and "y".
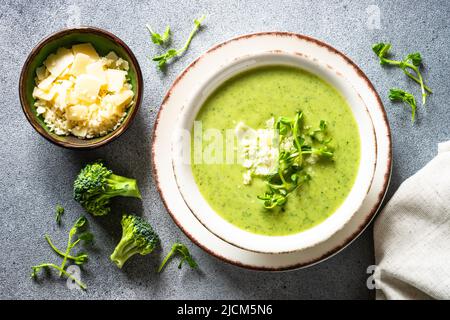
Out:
{"x": 253, "y": 97}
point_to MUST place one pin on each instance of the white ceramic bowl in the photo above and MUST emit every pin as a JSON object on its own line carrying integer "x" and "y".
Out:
{"x": 239, "y": 237}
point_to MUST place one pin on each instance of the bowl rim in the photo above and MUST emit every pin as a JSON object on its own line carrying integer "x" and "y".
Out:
{"x": 383, "y": 177}
{"x": 298, "y": 241}
{"x": 56, "y": 35}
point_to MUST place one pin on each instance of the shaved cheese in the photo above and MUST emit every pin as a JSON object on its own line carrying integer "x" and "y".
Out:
{"x": 87, "y": 87}
{"x": 115, "y": 79}
{"x": 77, "y": 113}
{"x": 87, "y": 49}
{"x": 47, "y": 82}
{"x": 80, "y": 62}
{"x": 42, "y": 73}
{"x": 112, "y": 56}
{"x": 97, "y": 70}
{"x": 57, "y": 63}
{"x": 77, "y": 92}
{"x": 257, "y": 150}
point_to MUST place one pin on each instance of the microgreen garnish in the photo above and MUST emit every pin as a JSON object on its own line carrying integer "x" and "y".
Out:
{"x": 80, "y": 259}
{"x": 163, "y": 59}
{"x": 406, "y": 97}
{"x": 37, "y": 268}
{"x": 411, "y": 62}
{"x": 58, "y": 214}
{"x": 183, "y": 251}
{"x": 319, "y": 134}
{"x": 159, "y": 39}
{"x": 291, "y": 173}
{"x": 79, "y": 224}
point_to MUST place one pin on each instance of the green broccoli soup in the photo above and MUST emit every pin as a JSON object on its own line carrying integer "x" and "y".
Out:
{"x": 294, "y": 156}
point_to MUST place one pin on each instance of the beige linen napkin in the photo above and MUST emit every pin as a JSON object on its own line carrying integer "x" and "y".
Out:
{"x": 412, "y": 235}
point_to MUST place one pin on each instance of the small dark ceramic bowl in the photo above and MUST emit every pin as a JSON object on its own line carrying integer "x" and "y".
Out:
{"x": 104, "y": 42}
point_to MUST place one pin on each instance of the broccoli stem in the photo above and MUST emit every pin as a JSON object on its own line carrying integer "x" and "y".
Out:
{"x": 122, "y": 186}
{"x": 123, "y": 251}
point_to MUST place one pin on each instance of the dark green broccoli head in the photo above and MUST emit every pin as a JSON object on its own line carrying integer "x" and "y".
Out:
{"x": 138, "y": 236}
{"x": 95, "y": 185}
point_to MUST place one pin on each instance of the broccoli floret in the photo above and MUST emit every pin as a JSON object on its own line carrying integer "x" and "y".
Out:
{"x": 96, "y": 185}
{"x": 137, "y": 237}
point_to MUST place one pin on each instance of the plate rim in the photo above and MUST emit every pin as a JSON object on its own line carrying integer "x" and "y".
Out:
{"x": 380, "y": 196}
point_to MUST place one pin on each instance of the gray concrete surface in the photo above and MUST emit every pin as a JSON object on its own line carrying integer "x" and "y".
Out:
{"x": 36, "y": 175}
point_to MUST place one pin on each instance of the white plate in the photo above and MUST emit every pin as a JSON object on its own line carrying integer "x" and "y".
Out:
{"x": 179, "y": 94}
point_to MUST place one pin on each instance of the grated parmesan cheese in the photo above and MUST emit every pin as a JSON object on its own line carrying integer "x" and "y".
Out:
{"x": 80, "y": 93}
{"x": 258, "y": 150}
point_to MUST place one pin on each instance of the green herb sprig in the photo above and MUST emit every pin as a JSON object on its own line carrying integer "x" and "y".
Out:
{"x": 406, "y": 97}
{"x": 79, "y": 259}
{"x": 159, "y": 39}
{"x": 38, "y": 268}
{"x": 58, "y": 214}
{"x": 411, "y": 62}
{"x": 163, "y": 59}
{"x": 183, "y": 251}
{"x": 79, "y": 224}
{"x": 291, "y": 173}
